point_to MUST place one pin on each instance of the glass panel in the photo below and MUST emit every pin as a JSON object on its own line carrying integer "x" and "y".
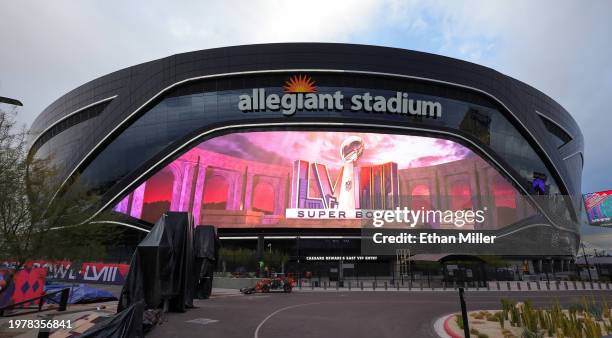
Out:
{"x": 189, "y": 110}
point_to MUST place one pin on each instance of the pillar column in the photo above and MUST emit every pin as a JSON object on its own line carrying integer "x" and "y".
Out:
{"x": 137, "y": 201}
{"x": 177, "y": 179}
{"x": 248, "y": 192}
{"x": 540, "y": 270}
{"x": 198, "y": 195}
{"x": 122, "y": 206}
{"x": 185, "y": 196}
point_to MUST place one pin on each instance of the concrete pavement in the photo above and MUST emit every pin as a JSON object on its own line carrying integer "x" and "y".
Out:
{"x": 339, "y": 314}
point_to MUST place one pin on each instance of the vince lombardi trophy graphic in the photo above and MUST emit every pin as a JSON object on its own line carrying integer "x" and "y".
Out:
{"x": 350, "y": 150}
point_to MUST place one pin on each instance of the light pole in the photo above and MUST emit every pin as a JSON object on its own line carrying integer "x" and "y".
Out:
{"x": 586, "y": 261}
{"x": 464, "y": 315}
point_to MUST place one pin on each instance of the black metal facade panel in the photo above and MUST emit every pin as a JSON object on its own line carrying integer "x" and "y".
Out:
{"x": 136, "y": 85}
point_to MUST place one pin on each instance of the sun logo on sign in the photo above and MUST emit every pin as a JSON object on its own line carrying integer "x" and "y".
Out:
{"x": 300, "y": 84}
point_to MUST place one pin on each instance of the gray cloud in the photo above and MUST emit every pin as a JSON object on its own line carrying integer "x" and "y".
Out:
{"x": 560, "y": 47}
{"x": 51, "y": 47}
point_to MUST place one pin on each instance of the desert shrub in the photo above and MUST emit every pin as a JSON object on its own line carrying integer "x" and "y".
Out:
{"x": 507, "y": 333}
{"x": 459, "y": 321}
{"x": 530, "y": 334}
{"x": 494, "y": 317}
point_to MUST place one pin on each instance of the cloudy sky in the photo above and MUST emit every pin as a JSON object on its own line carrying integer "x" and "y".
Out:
{"x": 563, "y": 48}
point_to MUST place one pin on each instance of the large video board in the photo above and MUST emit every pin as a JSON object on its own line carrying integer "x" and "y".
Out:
{"x": 598, "y": 206}
{"x": 325, "y": 179}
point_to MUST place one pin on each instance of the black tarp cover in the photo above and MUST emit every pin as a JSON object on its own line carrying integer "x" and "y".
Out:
{"x": 206, "y": 246}
{"x": 206, "y": 242}
{"x": 125, "y": 324}
{"x": 180, "y": 289}
{"x": 161, "y": 267}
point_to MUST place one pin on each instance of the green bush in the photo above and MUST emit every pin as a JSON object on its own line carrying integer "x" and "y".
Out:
{"x": 478, "y": 316}
{"x": 494, "y": 317}
{"x": 530, "y": 334}
{"x": 459, "y": 321}
{"x": 506, "y": 306}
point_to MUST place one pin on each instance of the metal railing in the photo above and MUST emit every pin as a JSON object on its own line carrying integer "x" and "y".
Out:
{"x": 422, "y": 285}
{"x": 63, "y": 303}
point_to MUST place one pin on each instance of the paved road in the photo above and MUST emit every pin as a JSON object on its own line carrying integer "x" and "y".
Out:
{"x": 338, "y": 314}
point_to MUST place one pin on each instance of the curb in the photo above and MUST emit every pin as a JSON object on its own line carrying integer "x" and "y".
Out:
{"x": 447, "y": 328}
{"x": 437, "y": 290}
{"x": 442, "y": 328}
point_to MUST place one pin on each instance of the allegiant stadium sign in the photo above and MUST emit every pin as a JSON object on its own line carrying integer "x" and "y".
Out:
{"x": 300, "y": 95}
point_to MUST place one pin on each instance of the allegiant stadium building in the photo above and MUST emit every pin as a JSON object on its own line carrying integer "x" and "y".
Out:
{"x": 290, "y": 150}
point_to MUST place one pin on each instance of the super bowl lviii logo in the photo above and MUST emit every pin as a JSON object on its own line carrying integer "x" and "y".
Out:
{"x": 355, "y": 192}
{"x": 299, "y": 93}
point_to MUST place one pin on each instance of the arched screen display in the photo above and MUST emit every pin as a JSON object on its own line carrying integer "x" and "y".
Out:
{"x": 325, "y": 179}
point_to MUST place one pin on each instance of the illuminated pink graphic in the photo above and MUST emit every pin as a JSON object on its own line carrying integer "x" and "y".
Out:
{"x": 253, "y": 179}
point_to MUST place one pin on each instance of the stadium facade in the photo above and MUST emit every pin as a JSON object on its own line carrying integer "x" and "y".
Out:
{"x": 286, "y": 148}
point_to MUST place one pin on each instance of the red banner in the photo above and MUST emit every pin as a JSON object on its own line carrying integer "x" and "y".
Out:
{"x": 27, "y": 283}
{"x": 87, "y": 272}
